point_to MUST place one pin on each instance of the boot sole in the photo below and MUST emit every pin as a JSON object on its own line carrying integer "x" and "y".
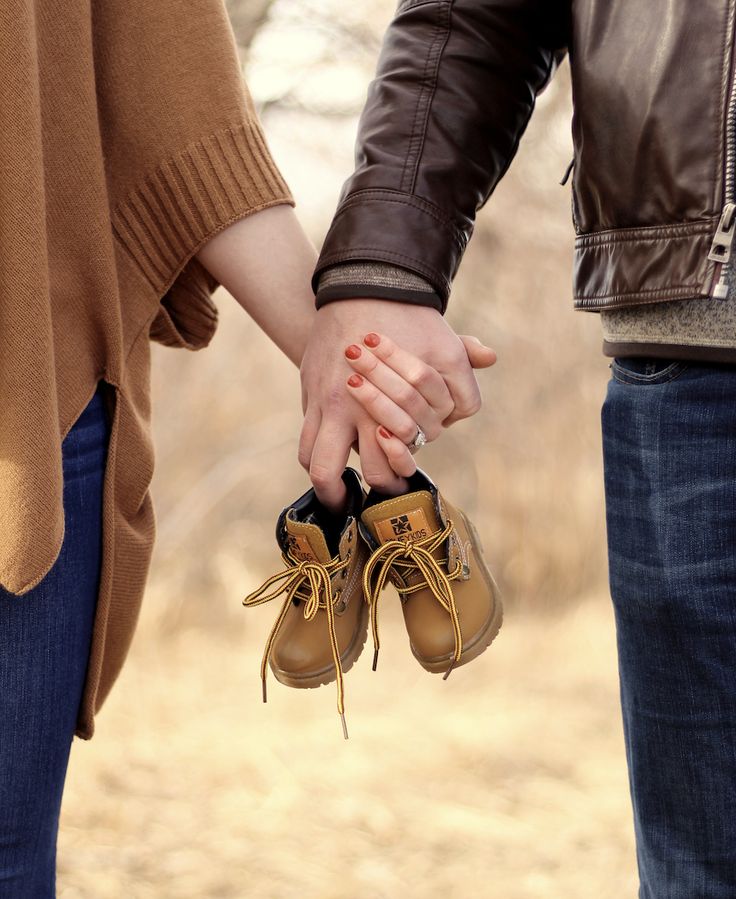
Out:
{"x": 487, "y": 634}
{"x": 328, "y": 675}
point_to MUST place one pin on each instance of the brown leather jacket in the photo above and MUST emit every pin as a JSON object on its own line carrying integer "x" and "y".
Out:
{"x": 653, "y": 129}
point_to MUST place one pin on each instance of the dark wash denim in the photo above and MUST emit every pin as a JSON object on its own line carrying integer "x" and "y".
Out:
{"x": 669, "y": 443}
{"x": 45, "y": 638}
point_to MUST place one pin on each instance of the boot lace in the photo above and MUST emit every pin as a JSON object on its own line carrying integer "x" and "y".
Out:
{"x": 310, "y": 582}
{"x": 408, "y": 558}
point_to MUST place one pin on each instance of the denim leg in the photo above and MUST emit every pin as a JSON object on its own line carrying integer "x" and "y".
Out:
{"x": 45, "y": 639}
{"x": 669, "y": 438}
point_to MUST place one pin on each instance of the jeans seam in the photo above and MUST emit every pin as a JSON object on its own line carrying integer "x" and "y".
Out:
{"x": 635, "y": 379}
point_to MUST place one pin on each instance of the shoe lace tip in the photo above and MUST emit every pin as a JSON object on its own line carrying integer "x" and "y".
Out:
{"x": 375, "y": 659}
{"x": 265, "y": 692}
{"x": 344, "y": 725}
{"x": 449, "y": 670}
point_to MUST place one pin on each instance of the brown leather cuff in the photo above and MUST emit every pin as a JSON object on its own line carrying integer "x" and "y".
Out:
{"x": 399, "y": 229}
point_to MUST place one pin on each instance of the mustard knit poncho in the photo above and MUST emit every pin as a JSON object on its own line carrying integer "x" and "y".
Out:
{"x": 127, "y": 139}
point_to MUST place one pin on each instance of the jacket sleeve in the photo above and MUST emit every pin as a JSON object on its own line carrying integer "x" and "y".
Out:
{"x": 184, "y": 152}
{"x": 455, "y": 87}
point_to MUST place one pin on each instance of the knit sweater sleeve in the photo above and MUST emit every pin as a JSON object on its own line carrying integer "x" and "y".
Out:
{"x": 184, "y": 152}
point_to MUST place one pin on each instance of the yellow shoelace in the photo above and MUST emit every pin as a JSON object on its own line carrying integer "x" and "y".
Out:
{"x": 409, "y": 557}
{"x": 311, "y": 582}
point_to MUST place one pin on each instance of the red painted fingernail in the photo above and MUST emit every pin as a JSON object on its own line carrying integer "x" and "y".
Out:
{"x": 353, "y": 351}
{"x": 355, "y": 380}
{"x": 384, "y": 433}
{"x": 371, "y": 339}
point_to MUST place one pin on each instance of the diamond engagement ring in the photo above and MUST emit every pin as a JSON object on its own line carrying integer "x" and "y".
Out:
{"x": 419, "y": 440}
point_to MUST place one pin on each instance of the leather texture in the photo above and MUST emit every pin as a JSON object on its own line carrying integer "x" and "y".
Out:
{"x": 456, "y": 84}
{"x": 302, "y": 655}
{"x": 415, "y": 517}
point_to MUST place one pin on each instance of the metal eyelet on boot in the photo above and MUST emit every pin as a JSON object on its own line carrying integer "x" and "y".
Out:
{"x": 343, "y": 603}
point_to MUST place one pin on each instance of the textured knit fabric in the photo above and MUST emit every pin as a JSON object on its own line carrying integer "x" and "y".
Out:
{"x": 127, "y": 139}
{"x": 377, "y": 280}
{"x": 699, "y": 329}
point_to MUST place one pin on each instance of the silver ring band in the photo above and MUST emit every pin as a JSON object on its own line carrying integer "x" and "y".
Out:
{"x": 418, "y": 442}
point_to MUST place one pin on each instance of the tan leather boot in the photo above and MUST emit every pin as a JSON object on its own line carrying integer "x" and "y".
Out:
{"x": 323, "y": 623}
{"x": 431, "y": 553}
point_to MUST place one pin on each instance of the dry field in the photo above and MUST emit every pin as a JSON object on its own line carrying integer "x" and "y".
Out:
{"x": 507, "y": 781}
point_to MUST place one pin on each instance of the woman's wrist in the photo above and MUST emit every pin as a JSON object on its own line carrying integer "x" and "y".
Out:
{"x": 266, "y": 262}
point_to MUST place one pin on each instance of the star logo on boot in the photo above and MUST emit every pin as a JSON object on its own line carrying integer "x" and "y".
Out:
{"x": 401, "y": 525}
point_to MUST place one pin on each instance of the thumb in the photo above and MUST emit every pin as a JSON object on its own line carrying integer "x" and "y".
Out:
{"x": 479, "y": 355}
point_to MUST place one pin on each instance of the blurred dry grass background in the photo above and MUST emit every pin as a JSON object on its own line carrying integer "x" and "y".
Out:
{"x": 507, "y": 781}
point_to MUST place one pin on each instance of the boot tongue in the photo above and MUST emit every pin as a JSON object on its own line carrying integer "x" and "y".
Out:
{"x": 408, "y": 517}
{"x": 306, "y": 541}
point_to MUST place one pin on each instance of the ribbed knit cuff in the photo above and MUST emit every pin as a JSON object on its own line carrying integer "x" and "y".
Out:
{"x": 377, "y": 280}
{"x": 178, "y": 207}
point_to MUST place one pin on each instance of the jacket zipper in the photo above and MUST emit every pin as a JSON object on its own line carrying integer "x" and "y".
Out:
{"x": 720, "y": 251}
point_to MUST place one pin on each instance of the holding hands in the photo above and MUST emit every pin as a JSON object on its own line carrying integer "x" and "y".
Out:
{"x": 413, "y": 375}
{"x": 408, "y": 369}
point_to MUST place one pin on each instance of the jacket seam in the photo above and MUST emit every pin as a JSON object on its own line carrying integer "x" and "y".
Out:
{"x": 549, "y": 72}
{"x": 381, "y": 195}
{"x": 440, "y": 37}
{"x": 653, "y": 291}
{"x": 649, "y": 234}
{"x": 632, "y": 233}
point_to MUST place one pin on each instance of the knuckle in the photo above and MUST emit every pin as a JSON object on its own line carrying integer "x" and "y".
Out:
{"x": 468, "y": 409}
{"x": 456, "y": 356}
{"x": 406, "y": 395}
{"x": 420, "y": 376}
{"x": 304, "y": 457}
{"x": 320, "y": 475}
{"x": 304, "y": 450}
{"x": 476, "y": 405}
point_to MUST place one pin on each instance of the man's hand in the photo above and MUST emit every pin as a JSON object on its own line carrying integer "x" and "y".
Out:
{"x": 334, "y": 420}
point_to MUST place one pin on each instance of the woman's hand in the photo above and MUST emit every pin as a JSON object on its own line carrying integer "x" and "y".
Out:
{"x": 333, "y": 418}
{"x": 266, "y": 262}
{"x": 401, "y": 393}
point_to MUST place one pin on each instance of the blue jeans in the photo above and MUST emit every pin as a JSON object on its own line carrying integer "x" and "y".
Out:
{"x": 45, "y": 639}
{"x": 669, "y": 442}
